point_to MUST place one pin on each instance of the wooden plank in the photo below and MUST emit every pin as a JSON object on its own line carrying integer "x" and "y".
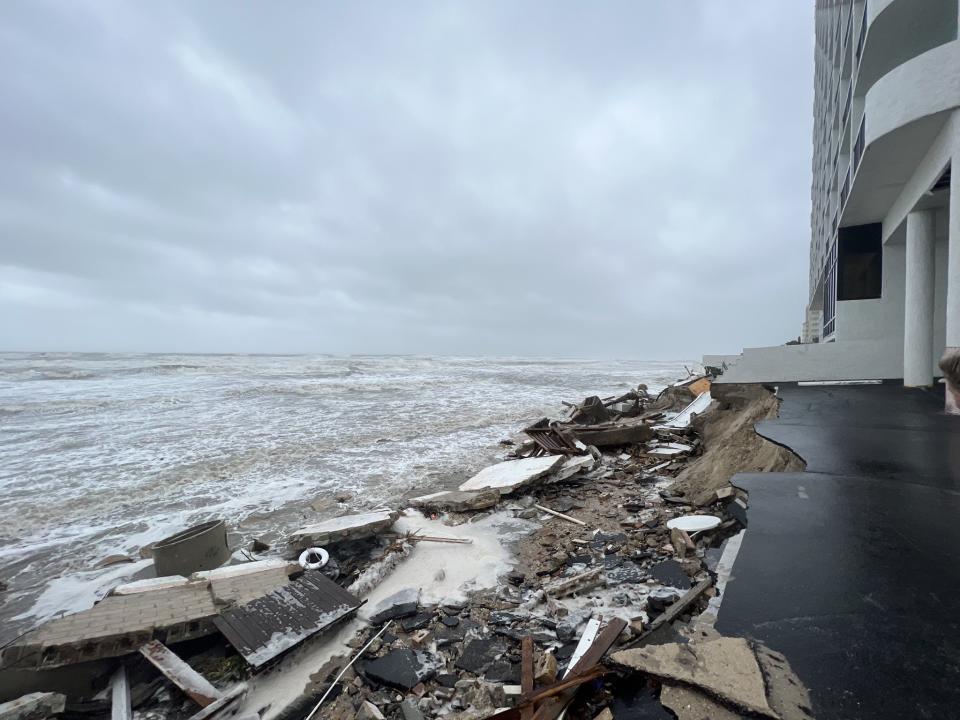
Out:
{"x": 605, "y": 640}
{"x": 550, "y": 692}
{"x": 556, "y": 697}
{"x": 559, "y": 515}
{"x": 223, "y": 702}
{"x": 586, "y": 640}
{"x": 180, "y": 674}
{"x": 526, "y": 674}
{"x": 121, "y": 707}
{"x": 674, "y": 611}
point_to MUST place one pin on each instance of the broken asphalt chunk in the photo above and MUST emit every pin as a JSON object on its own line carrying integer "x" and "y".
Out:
{"x": 399, "y": 605}
{"x": 725, "y": 668}
{"x": 399, "y": 669}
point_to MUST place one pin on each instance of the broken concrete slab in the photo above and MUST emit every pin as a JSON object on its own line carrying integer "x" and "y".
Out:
{"x": 173, "y": 607}
{"x": 347, "y": 527}
{"x": 573, "y": 465}
{"x": 148, "y": 584}
{"x": 399, "y": 605}
{"x": 240, "y": 584}
{"x": 725, "y": 668}
{"x": 35, "y": 706}
{"x": 667, "y": 450}
{"x": 507, "y": 477}
{"x": 116, "y": 626}
{"x": 400, "y": 669}
{"x": 689, "y": 704}
{"x": 456, "y": 501}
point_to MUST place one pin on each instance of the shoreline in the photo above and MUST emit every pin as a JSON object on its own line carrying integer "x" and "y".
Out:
{"x": 624, "y": 561}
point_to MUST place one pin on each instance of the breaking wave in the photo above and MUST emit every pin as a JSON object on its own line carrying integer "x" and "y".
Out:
{"x": 150, "y": 444}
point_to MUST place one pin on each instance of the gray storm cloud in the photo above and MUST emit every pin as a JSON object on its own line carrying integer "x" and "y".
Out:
{"x": 508, "y": 178}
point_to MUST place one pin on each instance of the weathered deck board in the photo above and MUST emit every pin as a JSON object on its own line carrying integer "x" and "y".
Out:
{"x": 274, "y": 623}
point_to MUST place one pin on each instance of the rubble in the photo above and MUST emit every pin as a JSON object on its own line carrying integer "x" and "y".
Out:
{"x": 733, "y": 445}
{"x": 520, "y": 619}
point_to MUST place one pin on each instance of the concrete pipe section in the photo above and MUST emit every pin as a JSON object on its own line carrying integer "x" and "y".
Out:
{"x": 202, "y": 547}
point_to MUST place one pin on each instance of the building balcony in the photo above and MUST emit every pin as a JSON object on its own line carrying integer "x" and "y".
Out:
{"x": 904, "y": 112}
{"x": 897, "y": 31}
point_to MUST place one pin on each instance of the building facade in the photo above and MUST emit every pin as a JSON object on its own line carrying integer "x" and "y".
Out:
{"x": 884, "y": 299}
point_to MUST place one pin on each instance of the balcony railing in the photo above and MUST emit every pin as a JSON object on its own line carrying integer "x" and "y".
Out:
{"x": 830, "y": 293}
{"x": 846, "y": 105}
{"x": 845, "y": 190}
{"x": 861, "y": 39}
{"x": 848, "y": 35}
{"x": 859, "y": 145}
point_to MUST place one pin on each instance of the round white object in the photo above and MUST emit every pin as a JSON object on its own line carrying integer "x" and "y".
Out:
{"x": 694, "y": 523}
{"x": 314, "y": 558}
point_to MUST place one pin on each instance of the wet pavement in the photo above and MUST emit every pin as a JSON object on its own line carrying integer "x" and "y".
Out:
{"x": 852, "y": 568}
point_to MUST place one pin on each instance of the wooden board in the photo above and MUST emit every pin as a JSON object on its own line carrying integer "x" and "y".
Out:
{"x": 180, "y": 674}
{"x": 121, "y": 707}
{"x": 526, "y": 674}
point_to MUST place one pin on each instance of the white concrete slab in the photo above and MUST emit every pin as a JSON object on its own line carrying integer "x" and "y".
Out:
{"x": 249, "y": 568}
{"x": 140, "y": 586}
{"x": 668, "y": 450}
{"x": 574, "y": 464}
{"x": 683, "y": 418}
{"x": 513, "y": 474}
{"x": 348, "y": 527}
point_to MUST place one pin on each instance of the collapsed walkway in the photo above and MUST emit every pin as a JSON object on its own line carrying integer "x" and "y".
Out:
{"x": 850, "y": 569}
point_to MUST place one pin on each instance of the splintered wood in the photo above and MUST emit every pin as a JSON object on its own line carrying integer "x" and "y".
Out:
{"x": 549, "y": 702}
{"x": 180, "y": 674}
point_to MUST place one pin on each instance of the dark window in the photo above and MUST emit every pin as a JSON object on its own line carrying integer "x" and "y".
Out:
{"x": 860, "y": 262}
{"x": 830, "y": 293}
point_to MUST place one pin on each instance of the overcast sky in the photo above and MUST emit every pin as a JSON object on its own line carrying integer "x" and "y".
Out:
{"x": 530, "y": 178}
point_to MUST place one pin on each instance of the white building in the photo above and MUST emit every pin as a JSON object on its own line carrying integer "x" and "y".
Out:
{"x": 885, "y": 250}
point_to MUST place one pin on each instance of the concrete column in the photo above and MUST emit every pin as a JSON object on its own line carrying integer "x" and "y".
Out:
{"x": 953, "y": 260}
{"x": 920, "y": 286}
{"x": 953, "y": 273}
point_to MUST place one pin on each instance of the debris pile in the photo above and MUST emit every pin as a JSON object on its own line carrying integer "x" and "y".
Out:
{"x": 608, "y": 577}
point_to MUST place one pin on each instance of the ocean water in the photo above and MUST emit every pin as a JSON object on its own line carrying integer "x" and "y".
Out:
{"x": 101, "y": 454}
